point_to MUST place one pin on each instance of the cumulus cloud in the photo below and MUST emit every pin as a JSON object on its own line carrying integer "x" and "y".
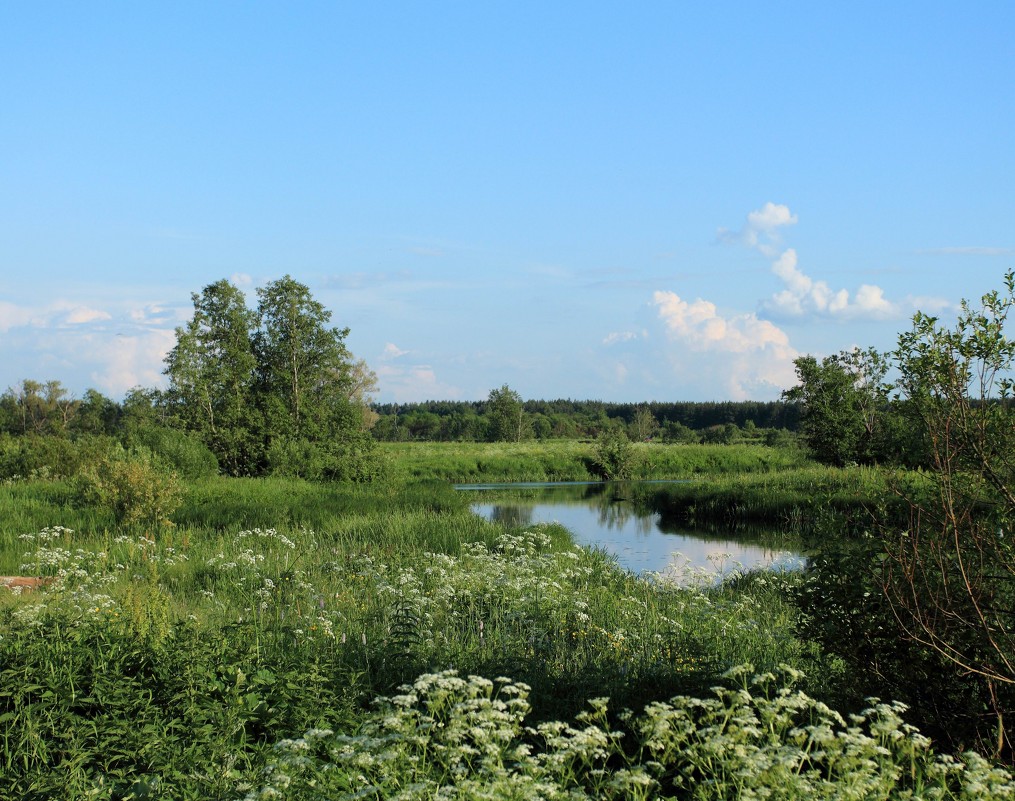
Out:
{"x": 761, "y": 229}
{"x": 133, "y": 360}
{"x": 392, "y": 351}
{"x": 804, "y": 296}
{"x": 746, "y": 355}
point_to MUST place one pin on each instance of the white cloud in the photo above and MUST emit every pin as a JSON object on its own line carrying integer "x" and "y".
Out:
{"x": 744, "y": 355}
{"x": 81, "y": 314}
{"x": 12, "y": 316}
{"x": 761, "y": 229}
{"x": 619, "y": 336}
{"x": 131, "y": 360}
{"x": 57, "y": 312}
{"x": 241, "y": 280}
{"x": 412, "y": 383}
{"x": 804, "y": 296}
{"x": 392, "y": 351}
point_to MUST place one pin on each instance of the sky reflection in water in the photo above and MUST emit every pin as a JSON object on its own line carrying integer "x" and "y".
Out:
{"x": 597, "y": 517}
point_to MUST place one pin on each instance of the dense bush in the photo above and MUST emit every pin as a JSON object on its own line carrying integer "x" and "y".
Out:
{"x": 183, "y": 452}
{"x": 134, "y": 486}
{"x": 45, "y": 457}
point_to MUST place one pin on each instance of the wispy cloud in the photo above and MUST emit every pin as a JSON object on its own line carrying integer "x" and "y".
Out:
{"x": 364, "y": 280}
{"x": 57, "y": 313}
{"x": 968, "y": 251}
{"x": 392, "y": 351}
{"x": 622, "y": 336}
{"x": 14, "y": 316}
{"x": 413, "y": 383}
{"x": 761, "y": 229}
{"x": 81, "y": 315}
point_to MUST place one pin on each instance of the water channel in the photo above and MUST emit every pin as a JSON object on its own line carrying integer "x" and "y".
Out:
{"x": 603, "y": 515}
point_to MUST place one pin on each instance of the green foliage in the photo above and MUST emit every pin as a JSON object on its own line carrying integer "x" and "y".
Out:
{"x": 505, "y": 415}
{"x": 211, "y": 371}
{"x": 268, "y": 390}
{"x": 845, "y": 407}
{"x": 38, "y": 409}
{"x": 136, "y": 487}
{"x": 188, "y": 656}
{"x": 845, "y": 611}
{"x": 448, "y": 736}
{"x": 614, "y": 457}
{"x": 185, "y": 453}
{"x": 445, "y": 421}
{"x": 303, "y": 366}
{"x": 949, "y": 574}
{"x": 35, "y": 457}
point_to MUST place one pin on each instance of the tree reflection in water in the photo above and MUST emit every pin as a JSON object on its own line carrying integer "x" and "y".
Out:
{"x": 608, "y": 515}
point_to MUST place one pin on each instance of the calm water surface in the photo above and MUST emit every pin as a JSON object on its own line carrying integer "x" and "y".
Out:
{"x": 601, "y": 515}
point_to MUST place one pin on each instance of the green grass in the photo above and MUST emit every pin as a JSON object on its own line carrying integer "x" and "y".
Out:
{"x": 178, "y": 661}
{"x": 569, "y": 460}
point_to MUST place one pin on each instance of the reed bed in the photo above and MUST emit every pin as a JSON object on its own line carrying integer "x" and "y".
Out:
{"x": 572, "y": 460}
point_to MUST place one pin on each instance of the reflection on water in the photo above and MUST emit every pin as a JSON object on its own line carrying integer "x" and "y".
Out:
{"x": 603, "y": 515}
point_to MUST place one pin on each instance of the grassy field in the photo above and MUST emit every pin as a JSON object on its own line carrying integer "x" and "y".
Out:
{"x": 570, "y": 460}
{"x": 286, "y": 639}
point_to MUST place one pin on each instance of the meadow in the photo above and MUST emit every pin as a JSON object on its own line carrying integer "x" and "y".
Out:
{"x": 285, "y": 639}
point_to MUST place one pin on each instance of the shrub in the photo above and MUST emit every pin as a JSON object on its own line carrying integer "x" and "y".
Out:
{"x": 614, "y": 456}
{"x": 184, "y": 452}
{"x": 134, "y": 486}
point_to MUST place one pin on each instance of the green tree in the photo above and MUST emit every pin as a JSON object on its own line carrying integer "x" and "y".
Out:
{"x": 211, "y": 371}
{"x": 643, "y": 425}
{"x": 313, "y": 395}
{"x": 845, "y": 406}
{"x": 505, "y": 415}
{"x": 950, "y": 574}
{"x": 37, "y": 408}
{"x": 303, "y": 363}
{"x": 96, "y": 414}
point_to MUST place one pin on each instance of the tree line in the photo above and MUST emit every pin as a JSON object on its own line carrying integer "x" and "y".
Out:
{"x": 505, "y": 416}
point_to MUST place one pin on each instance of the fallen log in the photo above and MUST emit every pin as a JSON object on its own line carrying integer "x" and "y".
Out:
{"x": 26, "y": 583}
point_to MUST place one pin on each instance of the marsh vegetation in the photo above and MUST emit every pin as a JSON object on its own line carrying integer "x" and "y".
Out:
{"x": 326, "y": 618}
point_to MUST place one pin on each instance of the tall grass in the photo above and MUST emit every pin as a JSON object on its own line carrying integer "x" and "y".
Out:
{"x": 572, "y": 460}
{"x": 200, "y": 659}
{"x": 792, "y": 498}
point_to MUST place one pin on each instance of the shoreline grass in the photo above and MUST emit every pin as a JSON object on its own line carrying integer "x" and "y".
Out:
{"x": 176, "y": 662}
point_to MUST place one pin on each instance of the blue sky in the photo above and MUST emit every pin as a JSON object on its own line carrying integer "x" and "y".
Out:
{"x": 625, "y": 202}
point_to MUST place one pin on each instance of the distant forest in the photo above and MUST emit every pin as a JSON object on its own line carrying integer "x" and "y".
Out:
{"x": 673, "y": 421}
